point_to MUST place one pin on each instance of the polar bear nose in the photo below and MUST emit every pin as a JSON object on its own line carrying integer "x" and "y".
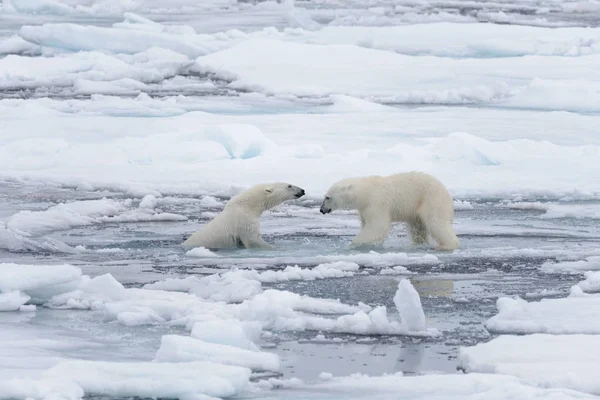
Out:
{"x": 300, "y": 193}
{"x": 325, "y": 210}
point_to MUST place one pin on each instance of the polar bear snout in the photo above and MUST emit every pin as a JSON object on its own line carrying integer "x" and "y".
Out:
{"x": 324, "y": 209}
{"x": 299, "y": 193}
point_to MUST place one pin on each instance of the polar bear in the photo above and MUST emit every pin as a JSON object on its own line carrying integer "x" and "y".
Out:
{"x": 413, "y": 197}
{"x": 239, "y": 223}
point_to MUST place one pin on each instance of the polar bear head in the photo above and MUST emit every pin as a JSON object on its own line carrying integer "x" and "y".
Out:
{"x": 265, "y": 196}
{"x": 341, "y": 195}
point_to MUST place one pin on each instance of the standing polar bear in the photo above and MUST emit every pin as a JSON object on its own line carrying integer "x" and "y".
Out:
{"x": 239, "y": 223}
{"x": 413, "y": 197}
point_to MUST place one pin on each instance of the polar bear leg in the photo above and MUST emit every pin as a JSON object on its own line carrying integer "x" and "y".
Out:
{"x": 375, "y": 229}
{"x": 444, "y": 235}
{"x": 418, "y": 230}
{"x": 441, "y": 230}
{"x": 256, "y": 242}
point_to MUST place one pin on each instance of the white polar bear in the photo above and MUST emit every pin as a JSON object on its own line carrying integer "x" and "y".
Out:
{"x": 239, "y": 223}
{"x": 413, "y": 197}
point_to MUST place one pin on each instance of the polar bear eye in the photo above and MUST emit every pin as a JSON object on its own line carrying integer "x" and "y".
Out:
{"x": 289, "y": 186}
{"x": 327, "y": 198}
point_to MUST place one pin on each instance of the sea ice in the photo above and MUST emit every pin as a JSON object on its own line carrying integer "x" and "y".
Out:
{"x": 546, "y": 361}
{"x": 570, "y": 315}
{"x": 176, "y": 348}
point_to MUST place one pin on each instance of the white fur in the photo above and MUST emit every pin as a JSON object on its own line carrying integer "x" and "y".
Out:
{"x": 239, "y": 223}
{"x": 414, "y": 197}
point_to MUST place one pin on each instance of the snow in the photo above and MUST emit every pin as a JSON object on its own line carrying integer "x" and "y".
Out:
{"x": 186, "y": 380}
{"x": 459, "y": 40}
{"x": 591, "y": 282}
{"x": 62, "y": 216}
{"x": 39, "y": 389}
{"x": 82, "y": 213}
{"x": 570, "y": 315}
{"x": 13, "y": 300}
{"x": 535, "y": 360}
{"x": 40, "y": 282}
{"x": 200, "y": 252}
{"x": 311, "y": 71}
{"x": 114, "y": 40}
{"x": 175, "y": 348}
{"x": 228, "y": 332}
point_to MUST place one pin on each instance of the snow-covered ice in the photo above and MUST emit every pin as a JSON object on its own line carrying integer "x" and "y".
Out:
{"x": 174, "y": 380}
{"x": 39, "y": 282}
{"x": 570, "y": 315}
{"x": 591, "y": 283}
{"x": 471, "y": 386}
{"x": 557, "y": 361}
{"x": 181, "y": 348}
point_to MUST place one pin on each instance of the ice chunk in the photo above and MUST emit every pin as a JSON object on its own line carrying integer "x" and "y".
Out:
{"x": 114, "y": 40}
{"x": 398, "y": 270}
{"x": 40, "y": 282}
{"x": 338, "y": 269}
{"x": 13, "y": 300}
{"x": 462, "y": 205}
{"x": 447, "y": 39}
{"x": 429, "y": 387}
{"x": 186, "y": 381}
{"x": 200, "y": 252}
{"x": 228, "y": 287}
{"x": 569, "y": 315}
{"x": 230, "y": 332}
{"x": 63, "y": 216}
{"x": 591, "y": 282}
{"x": 558, "y": 361}
{"x": 348, "y": 104}
{"x": 375, "y": 322}
{"x": 16, "y": 45}
{"x": 408, "y": 304}
{"x": 123, "y": 86}
{"x": 210, "y": 202}
{"x": 149, "y": 201}
{"x": 572, "y": 267}
{"x": 40, "y": 389}
{"x": 183, "y": 348}
{"x": 104, "y": 286}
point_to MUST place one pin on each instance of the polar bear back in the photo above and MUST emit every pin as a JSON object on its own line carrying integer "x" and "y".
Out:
{"x": 402, "y": 194}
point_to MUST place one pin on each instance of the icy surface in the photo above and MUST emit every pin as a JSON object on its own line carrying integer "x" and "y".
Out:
{"x": 573, "y": 314}
{"x": 471, "y": 386}
{"x": 180, "y": 348}
{"x": 563, "y": 361}
{"x": 173, "y": 380}
{"x": 39, "y": 282}
{"x": 591, "y": 263}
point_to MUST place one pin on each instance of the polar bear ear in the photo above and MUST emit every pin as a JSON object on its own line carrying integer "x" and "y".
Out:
{"x": 348, "y": 187}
